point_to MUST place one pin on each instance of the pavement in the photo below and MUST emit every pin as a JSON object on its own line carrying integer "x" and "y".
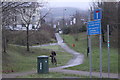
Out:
{"x": 76, "y": 60}
{"x": 77, "y": 57}
{"x": 65, "y": 71}
{"x": 50, "y": 44}
{"x": 84, "y": 73}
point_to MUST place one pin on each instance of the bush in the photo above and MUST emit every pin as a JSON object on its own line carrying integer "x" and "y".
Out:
{"x": 82, "y": 29}
{"x": 42, "y": 36}
{"x": 73, "y": 29}
{"x": 66, "y": 30}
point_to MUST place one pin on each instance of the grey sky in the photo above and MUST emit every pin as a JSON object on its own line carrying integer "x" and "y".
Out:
{"x": 81, "y": 5}
{"x": 69, "y": 3}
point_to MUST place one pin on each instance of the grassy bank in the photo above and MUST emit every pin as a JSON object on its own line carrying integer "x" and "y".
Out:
{"x": 17, "y": 59}
{"x": 62, "y": 56}
{"x": 53, "y": 75}
{"x": 81, "y": 46}
{"x": 55, "y": 47}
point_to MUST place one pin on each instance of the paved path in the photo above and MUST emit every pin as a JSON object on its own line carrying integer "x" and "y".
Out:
{"x": 76, "y": 60}
{"x": 50, "y": 44}
{"x": 77, "y": 57}
{"x": 81, "y": 73}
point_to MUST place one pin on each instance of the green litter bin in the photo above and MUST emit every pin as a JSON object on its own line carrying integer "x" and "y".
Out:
{"x": 42, "y": 64}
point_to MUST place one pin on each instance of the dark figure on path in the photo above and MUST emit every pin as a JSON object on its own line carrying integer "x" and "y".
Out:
{"x": 53, "y": 58}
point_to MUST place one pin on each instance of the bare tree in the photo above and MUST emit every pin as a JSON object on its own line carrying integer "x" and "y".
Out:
{"x": 27, "y": 15}
{"x": 109, "y": 15}
{"x": 7, "y": 14}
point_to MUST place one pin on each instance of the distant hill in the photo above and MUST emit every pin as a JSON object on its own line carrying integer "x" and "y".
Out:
{"x": 57, "y": 13}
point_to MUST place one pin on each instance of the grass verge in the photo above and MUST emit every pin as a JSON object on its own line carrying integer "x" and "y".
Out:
{"x": 53, "y": 75}
{"x": 51, "y": 47}
{"x": 81, "y": 46}
{"x": 17, "y": 59}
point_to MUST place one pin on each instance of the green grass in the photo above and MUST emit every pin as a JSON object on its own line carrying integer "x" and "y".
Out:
{"x": 53, "y": 75}
{"x": 59, "y": 51}
{"x": 55, "y": 47}
{"x": 81, "y": 46}
{"x": 18, "y": 59}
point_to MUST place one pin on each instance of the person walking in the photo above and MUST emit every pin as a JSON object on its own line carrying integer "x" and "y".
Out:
{"x": 53, "y": 58}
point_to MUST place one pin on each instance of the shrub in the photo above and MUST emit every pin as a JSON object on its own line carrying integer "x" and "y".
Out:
{"x": 42, "y": 36}
{"x": 66, "y": 30}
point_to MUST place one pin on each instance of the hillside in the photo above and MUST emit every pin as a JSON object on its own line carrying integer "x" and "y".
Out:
{"x": 17, "y": 59}
{"x": 57, "y": 13}
{"x": 81, "y": 47}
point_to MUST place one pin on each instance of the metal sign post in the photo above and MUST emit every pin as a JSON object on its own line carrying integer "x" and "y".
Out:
{"x": 94, "y": 28}
{"x": 90, "y": 56}
{"x": 89, "y": 48}
{"x": 100, "y": 39}
{"x": 108, "y": 50}
{"x": 100, "y": 52}
{"x": 98, "y": 16}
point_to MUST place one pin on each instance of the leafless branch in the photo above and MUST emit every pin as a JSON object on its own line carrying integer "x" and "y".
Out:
{"x": 43, "y": 17}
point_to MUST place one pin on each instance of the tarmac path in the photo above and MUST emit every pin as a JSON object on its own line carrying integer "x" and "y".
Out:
{"x": 77, "y": 57}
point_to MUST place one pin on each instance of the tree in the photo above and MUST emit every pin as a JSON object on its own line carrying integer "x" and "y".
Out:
{"x": 109, "y": 15}
{"x": 78, "y": 26}
{"x": 27, "y": 17}
{"x": 7, "y": 14}
{"x": 10, "y": 10}
{"x": 118, "y": 24}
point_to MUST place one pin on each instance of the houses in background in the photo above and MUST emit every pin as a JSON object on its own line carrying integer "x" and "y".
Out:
{"x": 25, "y": 16}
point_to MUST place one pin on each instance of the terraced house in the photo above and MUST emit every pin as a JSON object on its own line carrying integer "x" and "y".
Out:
{"x": 25, "y": 15}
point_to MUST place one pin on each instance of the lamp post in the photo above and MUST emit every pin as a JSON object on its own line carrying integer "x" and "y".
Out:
{"x": 64, "y": 16}
{"x": 63, "y": 20}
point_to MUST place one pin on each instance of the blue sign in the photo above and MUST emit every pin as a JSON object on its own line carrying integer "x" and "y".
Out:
{"x": 97, "y": 14}
{"x": 94, "y": 27}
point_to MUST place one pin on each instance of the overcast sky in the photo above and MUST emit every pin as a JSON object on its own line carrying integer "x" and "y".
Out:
{"x": 81, "y": 4}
